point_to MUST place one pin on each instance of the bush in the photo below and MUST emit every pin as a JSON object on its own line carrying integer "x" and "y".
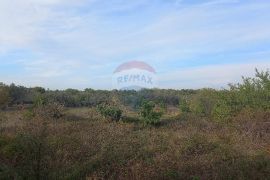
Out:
{"x": 203, "y": 102}
{"x": 184, "y": 106}
{"x": 149, "y": 114}
{"x": 113, "y": 113}
{"x": 252, "y": 93}
{"x": 39, "y": 100}
{"x": 4, "y": 96}
{"x": 27, "y": 154}
{"x": 28, "y": 114}
{"x": 198, "y": 144}
{"x": 221, "y": 111}
{"x": 52, "y": 110}
{"x": 46, "y": 109}
{"x": 3, "y": 119}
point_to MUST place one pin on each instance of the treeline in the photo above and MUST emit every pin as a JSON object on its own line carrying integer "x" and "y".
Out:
{"x": 252, "y": 93}
{"x": 19, "y": 95}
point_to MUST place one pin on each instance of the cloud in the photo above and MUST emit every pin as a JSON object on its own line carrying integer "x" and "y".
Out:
{"x": 90, "y": 37}
{"x": 183, "y": 32}
{"x": 50, "y": 68}
{"x": 212, "y": 76}
{"x": 23, "y": 23}
{"x": 189, "y": 29}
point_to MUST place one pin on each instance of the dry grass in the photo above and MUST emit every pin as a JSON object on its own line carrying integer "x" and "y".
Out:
{"x": 82, "y": 145}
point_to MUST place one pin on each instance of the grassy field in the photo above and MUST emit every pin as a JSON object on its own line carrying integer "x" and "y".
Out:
{"x": 84, "y": 145}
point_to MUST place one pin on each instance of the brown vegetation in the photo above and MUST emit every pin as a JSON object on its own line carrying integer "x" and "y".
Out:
{"x": 209, "y": 134}
{"x": 89, "y": 148}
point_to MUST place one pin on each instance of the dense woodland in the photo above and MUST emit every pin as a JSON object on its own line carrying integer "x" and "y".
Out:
{"x": 151, "y": 133}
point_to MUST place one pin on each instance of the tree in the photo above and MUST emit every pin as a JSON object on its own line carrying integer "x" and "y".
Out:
{"x": 203, "y": 102}
{"x": 252, "y": 92}
{"x": 4, "y": 95}
{"x": 149, "y": 114}
{"x": 19, "y": 94}
{"x": 184, "y": 106}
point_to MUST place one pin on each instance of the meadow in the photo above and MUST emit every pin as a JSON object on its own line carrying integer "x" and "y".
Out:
{"x": 147, "y": 134}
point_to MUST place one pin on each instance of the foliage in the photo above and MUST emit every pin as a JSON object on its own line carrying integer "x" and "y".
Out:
{"x": 203, "y": 102}
{"x": 222, "y": 105}
{"x": 89, "y": 148}
{"x": 253, "y": 93}
{"x": 112, "y": 112}
{"x": 4, "y": 96}
{"x": 92, "y": 98}
{"x": 45, "y": 108}
{"x": 18, "y": 94}
{"x": 51, "y": 110}
{"x": 223, "y": 110}
{"x": 40, "y": 100}
{"x": 149, "y": 114}
{"x": 184, "y": 106}
{"x": 42, "y": 149}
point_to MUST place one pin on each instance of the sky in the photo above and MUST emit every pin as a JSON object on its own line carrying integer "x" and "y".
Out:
{"x": 61, "y": 44}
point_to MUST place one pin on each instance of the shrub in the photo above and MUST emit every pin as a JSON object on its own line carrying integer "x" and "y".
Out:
{"x": 55, "y": 110}
{"x": 47, "y": 109}
{"x": 198, "y": 144}
{"x": 3, "y": 120}
{"x": 39, "y": 100}
{"x": 28, "y": 114}
{"x": 27, "y": 153}
{"x": 149, "y": 114}
{"x": 252, "y": 93}
{"x": 221, "y": 111}
{"x": 203, "y": 102}
{"x": 184, "y": 106}
{"x": 114, "y": 113}
{"x": 52, "y": 110}
{"x": 4, "y": 95}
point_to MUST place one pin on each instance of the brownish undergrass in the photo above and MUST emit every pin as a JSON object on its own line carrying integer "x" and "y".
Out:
{"x": 83, "y": 145}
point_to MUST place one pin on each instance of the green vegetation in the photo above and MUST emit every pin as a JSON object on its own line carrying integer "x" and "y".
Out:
{"x": 4, "y": 95}
{"x": 201, "y": 134}
{"x": 110, "y": 112}
{"x": 148, "y": 113}
{"x": 252, "y": 93}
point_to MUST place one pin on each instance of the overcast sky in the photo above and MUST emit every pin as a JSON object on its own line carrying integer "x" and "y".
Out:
{"x": 62, "y": 44}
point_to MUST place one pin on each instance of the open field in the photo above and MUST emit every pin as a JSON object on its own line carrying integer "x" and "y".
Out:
{"x": 147, "y": 134}
{"x": 83, "y": 145}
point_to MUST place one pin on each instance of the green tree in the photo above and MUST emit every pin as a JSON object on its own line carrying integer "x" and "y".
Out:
{"x": 203, "y": 102}
{"x": 252, "y": 93}
{"x": 4, "y": 95}
{"x": 184, "y": 106}
{"x": 149, "y": 114}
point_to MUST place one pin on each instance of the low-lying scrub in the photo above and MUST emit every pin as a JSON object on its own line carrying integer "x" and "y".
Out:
{"x": 148, "y": 113}
{"x": 210, "y": 135}
{"x": 110, "y": 112}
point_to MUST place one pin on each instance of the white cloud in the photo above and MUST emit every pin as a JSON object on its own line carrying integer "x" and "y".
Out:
{"x": 190, "y": 29}
{"x": 67, "y": 40}
{"x": 50, "y": 68}
{"x": 212, "y": 76}
{"x": 183, "y": 32}
{"x": 24, "y": 23}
